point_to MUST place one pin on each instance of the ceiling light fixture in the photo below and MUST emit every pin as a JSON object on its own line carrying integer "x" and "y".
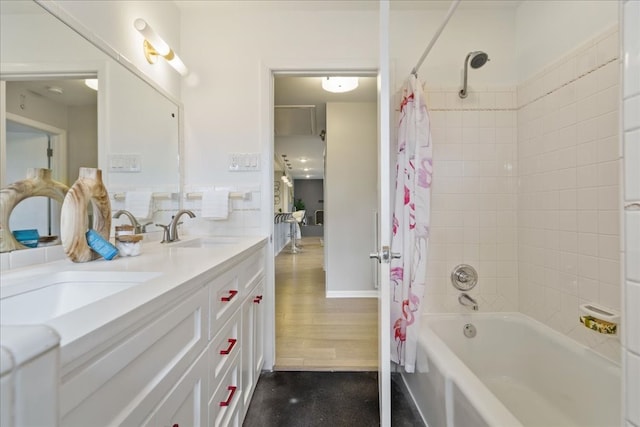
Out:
{"x": 55, "y": 89}
{"x": 92, "y": 83}
{"x": 339, "y": 84}
{"x": 154, "y": 46}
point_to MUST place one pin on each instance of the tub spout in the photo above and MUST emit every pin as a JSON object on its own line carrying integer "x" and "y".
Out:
{"x": 468, "y": 301}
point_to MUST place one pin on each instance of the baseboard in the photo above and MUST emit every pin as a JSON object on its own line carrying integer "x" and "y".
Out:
{"x": 352, "y": 294}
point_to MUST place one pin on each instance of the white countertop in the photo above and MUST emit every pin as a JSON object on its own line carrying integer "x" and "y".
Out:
{"x": 182, "y": 270}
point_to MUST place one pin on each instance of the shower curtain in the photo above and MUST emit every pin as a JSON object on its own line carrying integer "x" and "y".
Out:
{"x": 411, "y": 217}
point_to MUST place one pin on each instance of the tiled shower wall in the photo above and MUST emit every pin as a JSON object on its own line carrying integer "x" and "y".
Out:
{"x": 568, "y": 199}
{"x": 474, "y": 197}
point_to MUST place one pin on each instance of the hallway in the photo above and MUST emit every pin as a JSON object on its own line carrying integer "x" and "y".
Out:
{"x": 318, "y": 333}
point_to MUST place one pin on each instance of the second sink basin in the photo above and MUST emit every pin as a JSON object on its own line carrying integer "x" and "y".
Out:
{"x": 205, "y": 242}
{"x": 36, "y": 300}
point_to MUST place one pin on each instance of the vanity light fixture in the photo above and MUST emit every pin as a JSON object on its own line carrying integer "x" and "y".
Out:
{"x": 154, "y": 46}
{"x": 339, "y": 84}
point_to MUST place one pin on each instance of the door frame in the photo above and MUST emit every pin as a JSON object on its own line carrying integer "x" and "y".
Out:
{"x": 302, "y": 67}
{"x": 58, "y": 142}
{"x": 268, "y": 69}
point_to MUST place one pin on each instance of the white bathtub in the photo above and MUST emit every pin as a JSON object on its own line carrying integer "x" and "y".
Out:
{"x": 514, "y": 372}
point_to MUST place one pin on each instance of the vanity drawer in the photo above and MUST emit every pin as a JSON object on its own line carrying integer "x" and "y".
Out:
{"x": 123, "y": 384}
{"x": 227, "y": 397}
{"x": 224, "y": 348}
{"x": 224, "y": 299}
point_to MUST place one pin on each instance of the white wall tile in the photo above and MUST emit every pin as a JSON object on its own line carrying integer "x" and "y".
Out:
{"x": 632, "y": 162}
{"x": 631, "y": 37}
{"x": 586, "y": 60}
{"x": 632, "y": 249}
{"x": 632, "y": 388}
{"x": 632, "y": 113}
{"x": 609, "y": 222}
{"x": 54, "y": 253}
{"x": 608, "y": 48}
{"x": 632, "y": 317}
{"x": 27, "y": 257}
{"x": 608, "y": 198}
{"x": 568, "y": 207}
{"x": 4, "y": 261}
{"x": 608, "y": 149}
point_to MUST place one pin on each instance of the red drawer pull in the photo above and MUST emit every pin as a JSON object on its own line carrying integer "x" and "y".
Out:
{"x": 228, "y": 298}
{"x": 232, "y": 389}
{"x": 232, "y": 343}
{"x": 257, "y": 299}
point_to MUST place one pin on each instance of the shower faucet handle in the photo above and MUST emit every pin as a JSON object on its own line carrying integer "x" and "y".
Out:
{"x": 464, "y": 277}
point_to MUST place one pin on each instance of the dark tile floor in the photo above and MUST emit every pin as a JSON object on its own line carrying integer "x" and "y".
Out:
{"x": 335, "y": 399}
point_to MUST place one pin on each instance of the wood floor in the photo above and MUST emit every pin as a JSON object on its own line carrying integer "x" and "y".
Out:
{"x": 318, "y": 333}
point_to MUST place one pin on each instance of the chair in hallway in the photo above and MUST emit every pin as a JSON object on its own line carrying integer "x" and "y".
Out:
{"x": 300, "y": 218}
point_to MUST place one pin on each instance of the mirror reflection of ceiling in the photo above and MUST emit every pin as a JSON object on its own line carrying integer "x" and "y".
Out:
{"x": 34, "y": 41}
{"x": 70, "y": 93}
{"x": 297, "y": 90}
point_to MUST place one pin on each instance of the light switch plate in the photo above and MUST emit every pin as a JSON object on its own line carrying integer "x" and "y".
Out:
{"x": 244, "y": 162}
{"x": 125, "y": 163}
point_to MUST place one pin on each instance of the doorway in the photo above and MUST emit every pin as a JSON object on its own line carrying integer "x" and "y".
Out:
{"x": 320, "y": 326}
{"x": 31, "y": 144}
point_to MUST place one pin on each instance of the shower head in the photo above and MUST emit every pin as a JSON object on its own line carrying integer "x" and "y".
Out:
{"x": 476, "y": 59}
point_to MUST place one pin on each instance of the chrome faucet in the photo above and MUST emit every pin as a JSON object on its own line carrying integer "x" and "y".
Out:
{"x": 138, "y": 228}
{"x": 171, "y": 230}
{"x": 466, "y": 300}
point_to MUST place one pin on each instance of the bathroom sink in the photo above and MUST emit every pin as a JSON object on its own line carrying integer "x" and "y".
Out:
{"x": 38, "y": 299}
{"x": 205, "y": 242}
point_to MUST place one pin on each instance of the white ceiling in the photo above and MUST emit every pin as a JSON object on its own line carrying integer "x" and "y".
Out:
{"x": 306, "y": 151}
{"x": 74, "y": 92}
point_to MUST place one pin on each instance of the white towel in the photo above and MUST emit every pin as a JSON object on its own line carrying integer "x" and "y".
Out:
{"x": 215, "y": 204}
{"x": 139, "y": 203}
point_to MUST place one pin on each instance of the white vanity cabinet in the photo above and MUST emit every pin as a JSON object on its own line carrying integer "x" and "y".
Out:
{"x": 125, "y": 383}
{"x": 193, "y": 362}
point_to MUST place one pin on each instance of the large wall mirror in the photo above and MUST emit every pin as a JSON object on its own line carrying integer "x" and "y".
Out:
{"x": 44, "y": 101}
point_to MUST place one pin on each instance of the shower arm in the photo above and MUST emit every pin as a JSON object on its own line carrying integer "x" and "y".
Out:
{"x": 463, "y": 91}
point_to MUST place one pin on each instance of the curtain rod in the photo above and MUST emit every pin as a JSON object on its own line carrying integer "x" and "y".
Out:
{"x": 452, "y": 8}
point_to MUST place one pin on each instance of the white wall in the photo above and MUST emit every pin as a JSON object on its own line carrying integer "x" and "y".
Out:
{"x": 470, "y": 29}
{"x": 82, "y": 140}
{"x": 228, "y": 45}
{"x": 350, "y": 198}
{"x": 547, "y": 30}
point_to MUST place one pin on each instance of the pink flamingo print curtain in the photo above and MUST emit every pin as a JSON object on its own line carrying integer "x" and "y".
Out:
{"x": 411, "y": 217}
